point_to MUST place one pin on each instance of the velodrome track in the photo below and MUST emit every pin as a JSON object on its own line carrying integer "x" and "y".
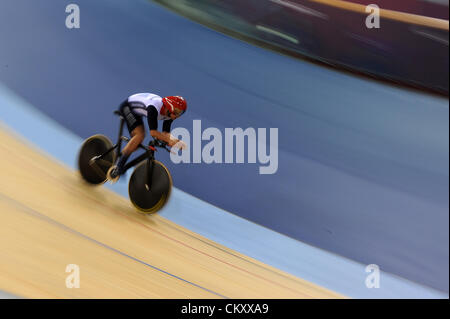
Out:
{"x": 351, "y": 146}
{"x": 303, "y": 261}
{"x": 51, "y": 218}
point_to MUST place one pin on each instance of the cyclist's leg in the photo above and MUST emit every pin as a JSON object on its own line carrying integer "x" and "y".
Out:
{"x": 136, "y": 129}
{"x": 137, "y": 137}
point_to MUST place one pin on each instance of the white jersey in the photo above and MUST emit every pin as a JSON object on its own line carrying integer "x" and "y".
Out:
{"x": 141, "y": 101}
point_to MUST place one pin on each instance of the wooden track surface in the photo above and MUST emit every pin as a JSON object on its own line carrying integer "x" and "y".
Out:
{"x": 50, "y": 218}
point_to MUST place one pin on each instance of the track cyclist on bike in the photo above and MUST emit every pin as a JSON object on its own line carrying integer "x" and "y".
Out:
{"x": 154, "y": 108}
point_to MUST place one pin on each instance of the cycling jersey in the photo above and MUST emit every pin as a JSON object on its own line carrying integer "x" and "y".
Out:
{"x": 144, "y": 104}
{"x": 140, "y": 102}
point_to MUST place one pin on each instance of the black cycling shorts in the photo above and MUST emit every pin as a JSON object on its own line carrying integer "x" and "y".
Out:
{"x": 133, "y": 120}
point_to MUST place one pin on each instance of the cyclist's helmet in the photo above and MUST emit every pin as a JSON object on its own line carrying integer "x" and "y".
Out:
{"x": 175, "y": 105}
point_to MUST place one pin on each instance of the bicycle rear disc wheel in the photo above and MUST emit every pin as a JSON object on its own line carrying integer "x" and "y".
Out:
{"x": 95, "y": 172}
{"x": 150, "y": 200}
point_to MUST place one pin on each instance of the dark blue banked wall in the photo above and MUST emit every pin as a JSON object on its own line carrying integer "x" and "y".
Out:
{"x": 363, "y": 167}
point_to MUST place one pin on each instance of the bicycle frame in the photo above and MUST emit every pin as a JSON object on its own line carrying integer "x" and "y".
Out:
{"x": 149, "y": 152}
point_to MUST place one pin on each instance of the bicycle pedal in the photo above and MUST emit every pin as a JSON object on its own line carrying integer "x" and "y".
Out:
{"x": 112, "y": 177}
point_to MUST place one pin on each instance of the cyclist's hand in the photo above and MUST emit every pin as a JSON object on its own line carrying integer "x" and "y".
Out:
{"x": 180, "y": 145}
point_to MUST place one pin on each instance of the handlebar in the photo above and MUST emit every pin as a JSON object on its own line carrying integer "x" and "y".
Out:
{"x": 159, "y": 143}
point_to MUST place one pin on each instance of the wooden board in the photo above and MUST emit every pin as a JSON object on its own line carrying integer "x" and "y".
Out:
{"x": 50, "y": 218}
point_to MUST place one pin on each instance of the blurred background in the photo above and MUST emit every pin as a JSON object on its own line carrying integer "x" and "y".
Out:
{"x": 362, "y": 113}
{"x": 332, "y": 32}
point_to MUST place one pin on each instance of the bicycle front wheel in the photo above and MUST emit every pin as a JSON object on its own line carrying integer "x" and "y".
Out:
{"x": 150, "y": 199}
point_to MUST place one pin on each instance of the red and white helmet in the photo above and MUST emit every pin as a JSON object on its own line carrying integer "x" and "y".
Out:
{"x": 175, "y": 104}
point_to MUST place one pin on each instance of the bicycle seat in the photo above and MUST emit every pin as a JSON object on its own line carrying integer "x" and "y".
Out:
{"x": 117, "y": 112}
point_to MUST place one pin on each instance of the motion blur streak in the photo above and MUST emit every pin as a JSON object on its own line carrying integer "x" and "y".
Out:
{"x": 310, "y": 263}
{"x": 390, "y": 14}
{"x": 363, "y": 166}
{"x": 121, "y": 254}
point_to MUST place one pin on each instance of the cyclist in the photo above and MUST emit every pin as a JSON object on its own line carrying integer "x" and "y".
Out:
{"x": 154, "y": 108}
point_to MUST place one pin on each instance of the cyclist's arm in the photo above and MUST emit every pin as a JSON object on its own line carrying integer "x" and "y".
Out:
{"x": 166, "y": 126}
{"x": 152, "y": 118}
{"x": 166, "y": 132}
